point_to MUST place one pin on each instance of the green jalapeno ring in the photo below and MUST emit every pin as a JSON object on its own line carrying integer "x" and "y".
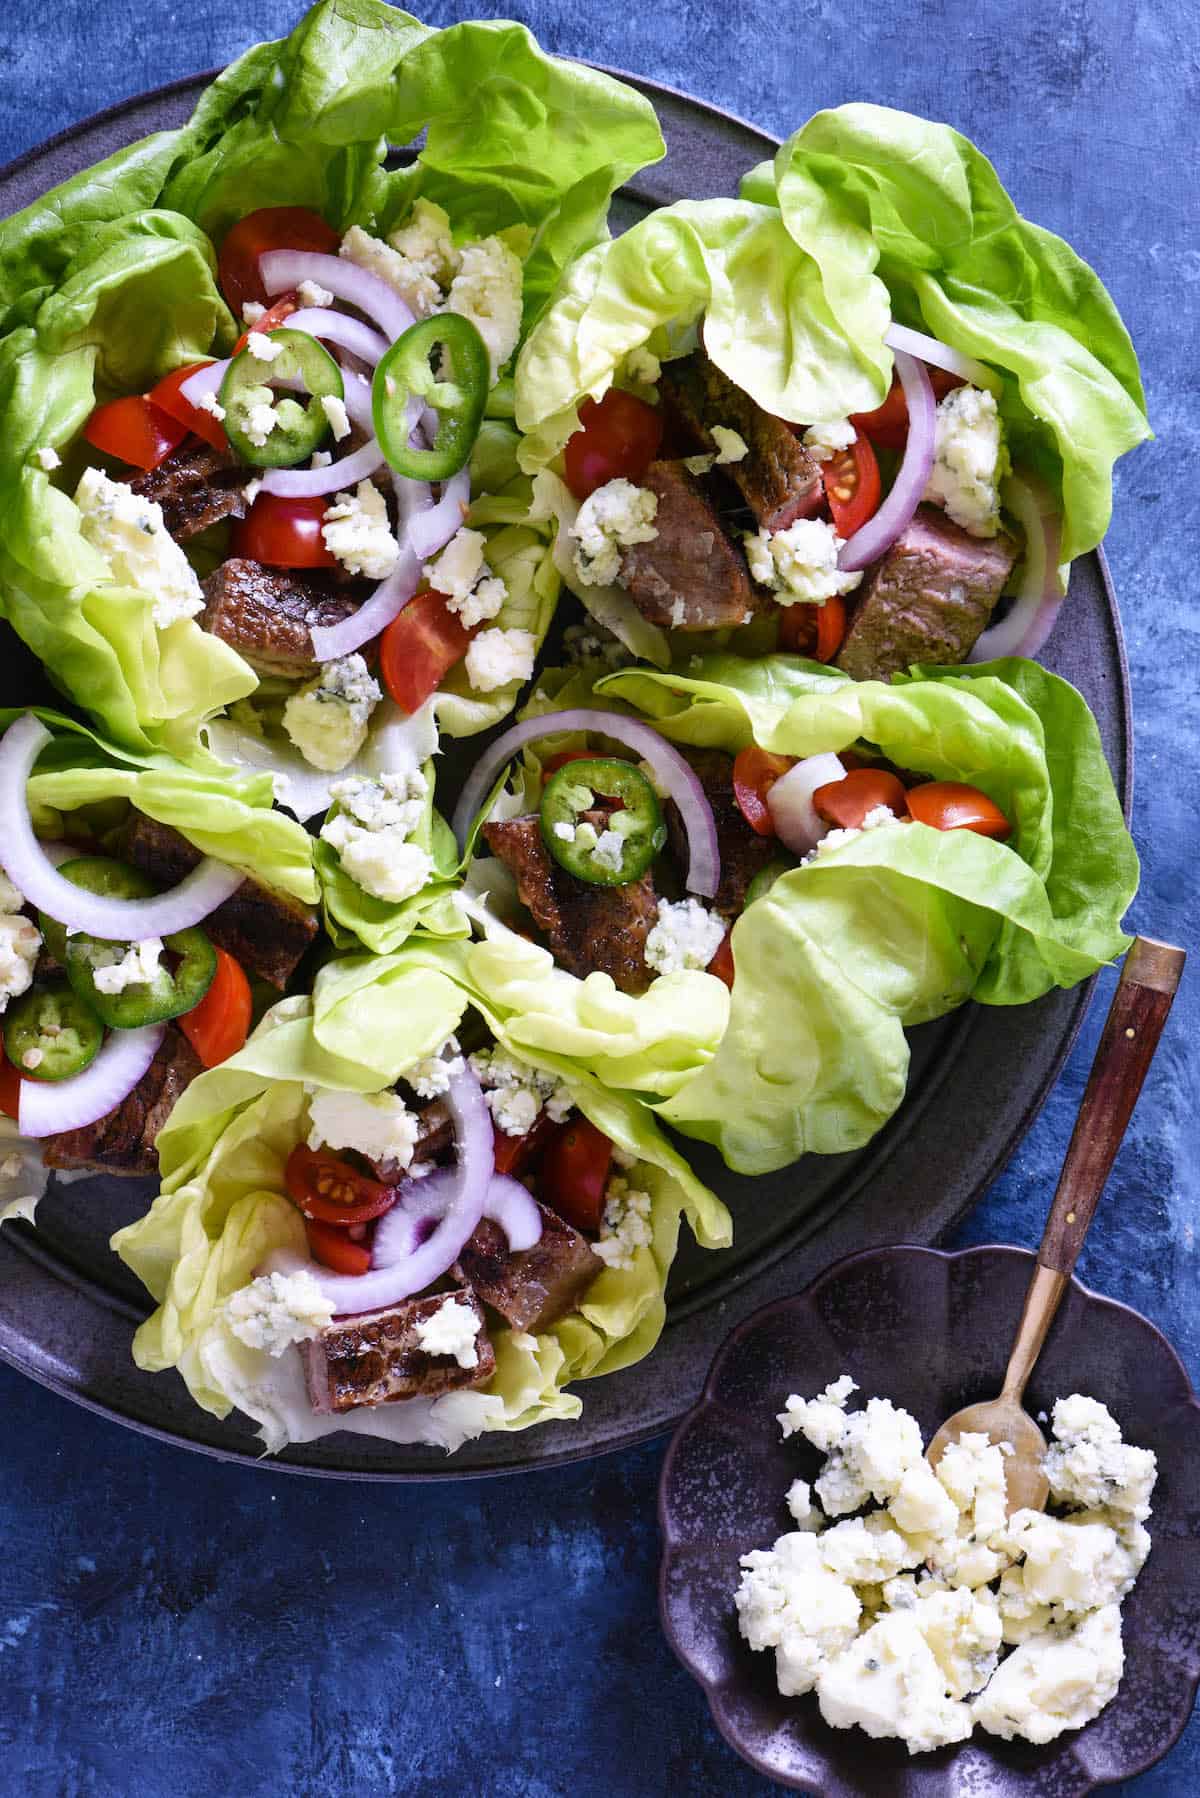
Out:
{"x": 571, "y": 791}
{"x": 50, "y": 1033}
{"x": 299, "y": 430}
{"x": 458, "y": 396}
{"x": 170, "y": 994}
{"x": 95, "y": 874}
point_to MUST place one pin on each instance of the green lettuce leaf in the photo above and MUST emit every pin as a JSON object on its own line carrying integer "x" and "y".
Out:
{"x": 222, "y": 1209}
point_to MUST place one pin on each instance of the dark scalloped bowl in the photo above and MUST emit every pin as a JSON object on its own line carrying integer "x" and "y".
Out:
{"x": 930, "y": 1331}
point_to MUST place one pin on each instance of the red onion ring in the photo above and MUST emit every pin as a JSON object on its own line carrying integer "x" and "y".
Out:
{"x": 422, "y": 1204}
{"x": 332, "y": 642}
{"x": 47, "y": 1106}
{"x": 876, "y": 537}
{"x": 789, "y": 801}
{"x": 284, "y": 270}
{"x": 940, "y": 355}
{"x": 335, "y": 477}
{"x": 31, "y": 869}
{"x": 205, "y": 381}
{"x": 474, "y": 1142}
{"x": 338, "y": 327}
{"x": 677, "y": 775}
{"x": 432, "y": 529}
{"x": 1031, "y": 618}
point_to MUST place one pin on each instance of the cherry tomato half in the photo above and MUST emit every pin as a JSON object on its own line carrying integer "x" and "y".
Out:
{"x": 284, "y": 306}
{"x": 811, "y": 630}
{"x": 722, "y": 962}
{"x": 419, "y": 646}
{"x": 283, "y": 533}
{"x": 852, "y": 486}
{"x": 167, "y": 398}
{"x": 271, "y": 228}
{"x": 553, "y": 763}
{"x": 887, "y": 425}
{"x": 323, "y": 1186}
{"x": 334, "y": 1249}
{"x": 952, "y": 805}
{"x": 846, "y": 802}
{"x": 220, "y": 1024}
{"x": 617, "y": 436}
{"x": 575, "y": 1173}
{"x": 514, "y": 1153}
{"x": 135, "y": 431}
{"x": 10, "y": 1086}
{"x": 755, "y": 772}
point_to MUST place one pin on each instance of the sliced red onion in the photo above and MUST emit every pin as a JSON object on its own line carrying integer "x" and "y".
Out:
{"x": 338, "y": 327}
{"x": 333, "y": 641}
{"x": 895, "y": 514}
{"x": 335, "y": 477}
{"x": 47, "y": 1106}
{"x": 675, "y": 774}
{"x": 789, "y": 801}
{"x": 1032, "y": 616}
{"x": 431, "y": 530}
{"x": 205, "y": 382}
{"x": 471, "y": 1175}
{"x": 357, "y": 395}
{"x": 940, "y": 355}
{"x": 31, "y": 869}
{"x": 283, "y": 270}
{"x": 422, "y": 1203}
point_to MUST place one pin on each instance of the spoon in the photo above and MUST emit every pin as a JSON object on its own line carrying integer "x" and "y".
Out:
{"x": 1135, "y": 1021}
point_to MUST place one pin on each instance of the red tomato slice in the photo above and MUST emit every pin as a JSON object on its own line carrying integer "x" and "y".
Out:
{"x": 220, "y": 1024}
{"x": 553, "y": 763}
{"x": 722, "y": 962}
{"x": 334, "y": 1249}
{"x": 284, "y": 306}
{"x": 514, "y": 1153}
{"x": 816, "y": 631}
{"x": 283, "y": 533}
{"x": 134, "y": 431}
{"x": 271, "y": 228}
{"x": 617, "y": 436}
{"x": 887, "y": 426}
{"x": 846, "y": 802}
{"x": 852, "y": 486}
{"x": 419, "y": 646}
{"x": 167, "y": 398}
{"x": 575, "y": 1173}
{"x": 10, "y": 1086}
{"x": 952, "y": 805}
{"x": 755, "y": 772}
{"x": 323, "y": 1186}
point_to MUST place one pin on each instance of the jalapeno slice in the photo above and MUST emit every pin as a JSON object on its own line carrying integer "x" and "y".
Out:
{"x": 293, "y": 431}
{"x": 443, "y": 362}
{"x": 95, "y": 874}
{"x": 51, "y": 1033}
{"x": 184, "y": 974}
{"x": 617, "y": 846}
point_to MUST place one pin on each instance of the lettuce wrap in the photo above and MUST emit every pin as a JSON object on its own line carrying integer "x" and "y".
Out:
{"x": 865, "y": 216}
{"x": 108, "y": 283}
{"x": 222, "y": 1210}
{"x": 888, "y": 927}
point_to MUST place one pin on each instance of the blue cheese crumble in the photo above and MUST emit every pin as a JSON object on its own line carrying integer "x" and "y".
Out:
{"x": 970, "y": 460}
{"x": 516, "y": 1092}
{"x": 431, "y": 1077}
{"x": 825, "y": 441}
{"x": 488, "y": 289}
{"x": 377, "y": 1125}
{"x": 610, "y": 520}
{"x": 129, "y": 532}
{"x": 684, "y": 935}
{"x": 498, "y": 658}
{"x": 371, "y": 828}
{"x": 627, "y": 1225}
{"x": 20, "y": 941}
{"x": 731, "y": 447}
{"x": 452, "y": 1330}
{"x": 116, "y": 967}
{"x": 328, "y": 718}
{"x": 356, "y": 530}
{"x": 462, "y": 575}
{"x": 799, "y": 565}
{"x": 277, "y": 1310}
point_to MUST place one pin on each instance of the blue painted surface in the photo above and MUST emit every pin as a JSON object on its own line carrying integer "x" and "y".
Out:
{"x": 168, "y": 1625}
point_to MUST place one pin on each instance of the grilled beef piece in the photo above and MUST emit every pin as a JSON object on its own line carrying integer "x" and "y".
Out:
{"x": 196, "y": 486}
{"x": 536, "y": 1286}
{"x": 123, "y": 1142}
{"x": 778, "y": 478}
{"x": 590, "y": 928}
{"x": 690, "y": 577}
{"x": 743, "y": 852}
{"x": 928, "y": 600}
{"x": 267, "y": 614}
{"x": 377, "y": 1358}
{"x": 266, "y": 930}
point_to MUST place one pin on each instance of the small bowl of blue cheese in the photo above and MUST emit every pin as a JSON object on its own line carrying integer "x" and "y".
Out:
{"x": 860, "y": 1621}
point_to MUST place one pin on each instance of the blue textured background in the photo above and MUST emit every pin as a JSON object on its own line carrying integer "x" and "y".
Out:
{"x": 171, "y": 1626}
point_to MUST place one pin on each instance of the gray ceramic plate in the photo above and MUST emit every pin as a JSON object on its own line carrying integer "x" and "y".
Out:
{"x": 930, "y": 1331}
{"x": 67, "y": 1307}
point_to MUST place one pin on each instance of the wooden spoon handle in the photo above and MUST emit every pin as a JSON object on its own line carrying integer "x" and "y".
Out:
{"x": 1135, "y": 1022}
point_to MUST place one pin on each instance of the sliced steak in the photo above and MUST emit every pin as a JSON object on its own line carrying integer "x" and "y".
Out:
{"x": 743, "y": 852}
{"x": 928, "y": 600}
{"x": 590, "y": 928}
{"x": 123, "y": 1142}
{"x": 536, "y": 1286}
{"x": 268, "y": 614}
{"x": 266, "y": 930}
{"x": 690, "y": 577}
{"x": 778, "y": 478}
{"x": 196, "y": 486}
{"x": 377, "y": 1359}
